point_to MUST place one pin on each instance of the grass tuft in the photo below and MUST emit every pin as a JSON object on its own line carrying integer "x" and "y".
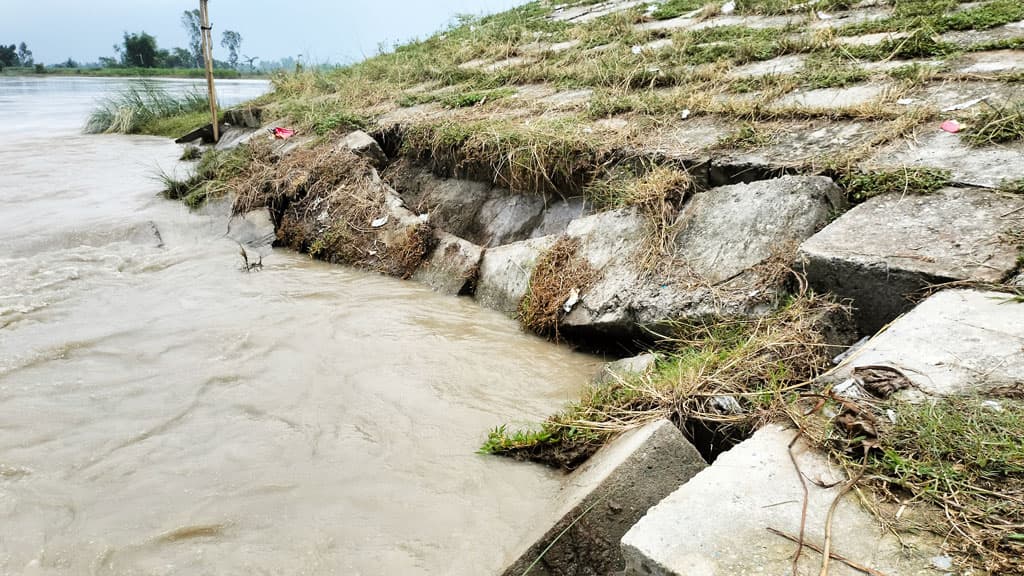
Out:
{"x": 146, "y": 108}
{"x": 860, "y": 186}
{"x": 997, "y": 124}
{"x": 723, "y": 373}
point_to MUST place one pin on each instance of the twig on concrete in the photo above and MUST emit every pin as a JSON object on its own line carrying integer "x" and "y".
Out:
{"x": 826, "y": 554}
{"x": 818, "y": 549}
{"x": 803, "y": 511}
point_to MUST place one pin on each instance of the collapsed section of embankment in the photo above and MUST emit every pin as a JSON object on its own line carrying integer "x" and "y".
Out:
{"x": 807, "y": 213}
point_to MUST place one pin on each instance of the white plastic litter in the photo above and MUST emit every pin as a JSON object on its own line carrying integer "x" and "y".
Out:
{"x": 729, "y": 7}
{"x": 379, "y": 221}
{"x": 636, "y": 49}
{"x": 685, "y": 114}
{"x": 574, "y": 297}
{"x": 968, "y": 104}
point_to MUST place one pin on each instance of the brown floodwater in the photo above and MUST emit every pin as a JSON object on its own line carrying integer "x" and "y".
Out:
{"x": 162, "y": 412}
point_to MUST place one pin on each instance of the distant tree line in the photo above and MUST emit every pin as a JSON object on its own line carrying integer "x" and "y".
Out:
{"x": 140, "y": 49}
{"x": 12, "y": 56}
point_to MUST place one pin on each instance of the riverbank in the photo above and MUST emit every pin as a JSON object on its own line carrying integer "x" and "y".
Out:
{"x": 744, "y": 190}
{"x": 220, "y": 73}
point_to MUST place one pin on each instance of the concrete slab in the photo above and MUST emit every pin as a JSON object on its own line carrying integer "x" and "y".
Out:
{"x": 604, "y": 498}
{"x": 991, "y": 62}
{"x": 717, "y": 523}
{"x": 893, "y": 245}
{"x": 869, "y": 39}
{"x": 968, "y": 38}
{"x": 364, "y": 145}
{"x": 835, "y": 98}
{"x": 799, "y": 144}
{"x": 776, "y": 66}
{"x": 567, "y": 99}
{"x": 505, "y": 273}
{"x": 955, "y": 342}
{"x": 840, "y": 19}
{"x": 548, "y": 48}
{"x": 581, "y": 14}
{"x": 987, "y": 166}
{"x": 679, "y": 23}
{"x": 452, "y": 266}
{"x": 724, "y": 234}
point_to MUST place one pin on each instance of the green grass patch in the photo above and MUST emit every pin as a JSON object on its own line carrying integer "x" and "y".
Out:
{"x": 209, "y": 177}
{"x": 475, "y": 98}
{"x": 860, "y": 186}
{"x": 1013, "y": 186}
{"x": 674, "y": 8}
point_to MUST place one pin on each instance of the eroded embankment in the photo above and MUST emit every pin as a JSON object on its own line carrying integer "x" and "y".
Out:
{"x": 744, "y": 192}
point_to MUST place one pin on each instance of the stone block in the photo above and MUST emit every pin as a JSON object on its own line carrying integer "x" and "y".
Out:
{"x": 601, "y": 500}
{"x": 452, "y": 266}
{"x": 625, "y": 367}
{"x": 955, "y": 342}
{"x": 894, "y": 245}
{"x": 364, "y": 145}
{"x": 505, "y": 273}
{"x": 717, "y": 523}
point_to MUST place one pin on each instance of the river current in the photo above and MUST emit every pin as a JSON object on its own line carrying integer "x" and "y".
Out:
{"x": 162, "y": 412}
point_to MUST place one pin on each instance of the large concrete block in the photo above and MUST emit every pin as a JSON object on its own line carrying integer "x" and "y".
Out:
{"x": 955, "y": 342}
{"x": 717, "y": 523}
{"x": 724, "y": 234}
{"x": 452, "y": 265}
{"x": 893, "y": 245}
{"x": 505, "y": 273}
{"x": 604, "y": 498}
{"x": 364, "y": 145}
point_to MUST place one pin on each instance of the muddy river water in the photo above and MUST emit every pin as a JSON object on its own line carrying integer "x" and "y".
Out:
{"x": 162, "y": 412}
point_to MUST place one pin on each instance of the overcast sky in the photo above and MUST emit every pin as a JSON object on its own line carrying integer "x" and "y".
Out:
{"x": 321, "y": 30}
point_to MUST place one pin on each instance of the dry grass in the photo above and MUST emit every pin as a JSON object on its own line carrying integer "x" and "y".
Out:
{"x": 726, "y": 374}
{"x": 560, "y": 273}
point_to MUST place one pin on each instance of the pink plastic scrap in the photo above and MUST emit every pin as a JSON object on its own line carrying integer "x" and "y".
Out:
{"x": 282, "y": 133}
{"x": 951, "y": 126}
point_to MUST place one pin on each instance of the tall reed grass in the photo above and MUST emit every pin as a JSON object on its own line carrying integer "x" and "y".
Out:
{"x": 140, "y": 105}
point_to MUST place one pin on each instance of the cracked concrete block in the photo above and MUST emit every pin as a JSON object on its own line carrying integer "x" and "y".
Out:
{"x": 717, "y": 523}
{"x": 452, "y": 266}
{"x": 601, "y": 500}
{"x": 893, "y": 245}
{"x": 955, "y": 342}
{"x": 987, "y": 166}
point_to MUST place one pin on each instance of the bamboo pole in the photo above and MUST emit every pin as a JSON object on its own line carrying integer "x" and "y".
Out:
{"x": 204, "y": 18}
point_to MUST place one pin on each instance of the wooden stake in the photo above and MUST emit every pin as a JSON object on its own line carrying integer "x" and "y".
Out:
{"x": 204, "y": 19}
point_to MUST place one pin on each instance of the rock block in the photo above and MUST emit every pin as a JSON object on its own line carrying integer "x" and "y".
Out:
{"x": 452, "y": 266}
{"x": 955, "y": 342}
{"x": 364, "y": 145}
{"x": 604, "y": 498}
{"x": 505, "y": 273}
{"x": 724, "y": 234}
{"x": 625, "y": 367}
{"x": 893, "y": 245}
{"x": 717, "y": 523}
